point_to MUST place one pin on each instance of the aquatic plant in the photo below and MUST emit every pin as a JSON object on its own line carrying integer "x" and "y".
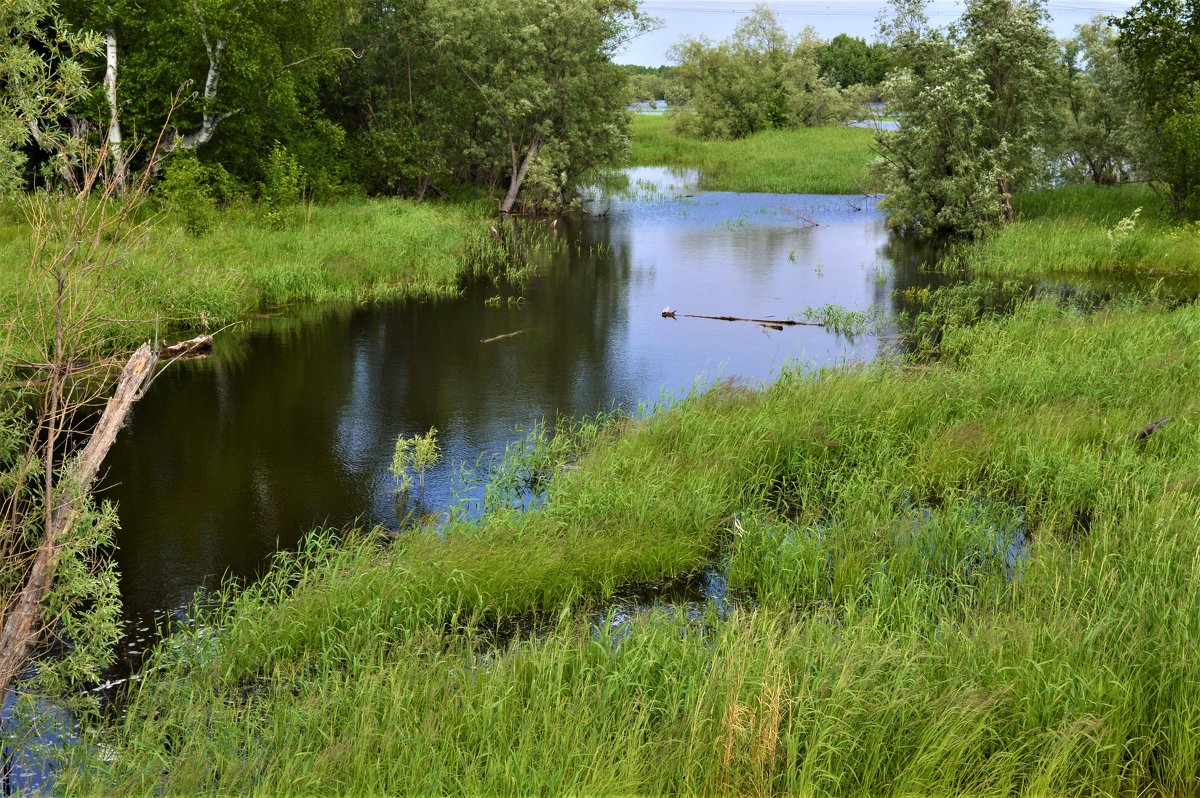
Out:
{"x": 418, "y": 454}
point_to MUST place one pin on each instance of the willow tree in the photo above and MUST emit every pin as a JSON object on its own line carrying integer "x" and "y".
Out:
{"x": 54, "y": 588}
{"x": 976, "y": 106}
{"x": 757, "y": 79}
{"x": 1159, "y": 42}
{"x": 552, "y": 102}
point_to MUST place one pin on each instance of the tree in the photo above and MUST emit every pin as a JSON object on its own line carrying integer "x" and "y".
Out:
{"x": 848, "y": 61}
{"x": 1159, "y": 42}
{"x": 554, "y": 104}
{"x": 1101, "y": 137}
{"x": 41, "y": 77}
{"x": 758, "y": 79}
{"x": 56, "y": 589}
{"x": 974, "y": 105}
{"x": 254, "y": 67}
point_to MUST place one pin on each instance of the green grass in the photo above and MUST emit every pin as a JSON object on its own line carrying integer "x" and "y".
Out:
{"x": 886, "y": 644}
{"x": 1066, "y": 231}
{"x": 820, "y": 160}
{"x": 355, "y": 250}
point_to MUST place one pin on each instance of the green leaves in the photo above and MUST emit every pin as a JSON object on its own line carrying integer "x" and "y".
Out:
{"x": 1160, "y": 43}
{"x": 758, "y": 79}
{"x": 973, "y": 104}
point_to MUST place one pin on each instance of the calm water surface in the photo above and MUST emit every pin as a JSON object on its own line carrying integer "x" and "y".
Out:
{"x": 291, "y": 425}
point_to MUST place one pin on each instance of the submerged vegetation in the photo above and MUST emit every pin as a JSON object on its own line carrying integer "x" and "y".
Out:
{"x": 969, "y": 578}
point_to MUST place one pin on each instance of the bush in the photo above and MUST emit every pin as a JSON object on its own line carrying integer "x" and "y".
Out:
{"x": 184, "y": 192}
{"x": 284, "y": 185}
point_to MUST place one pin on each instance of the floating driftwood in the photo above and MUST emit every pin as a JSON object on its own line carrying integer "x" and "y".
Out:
{"x": 774, "y": 324}
{"x": 200, "y": 346}
{"x": 501, "y": 337}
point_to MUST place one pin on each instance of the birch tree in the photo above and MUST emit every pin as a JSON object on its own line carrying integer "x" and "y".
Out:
{"x": 256, "y": 61}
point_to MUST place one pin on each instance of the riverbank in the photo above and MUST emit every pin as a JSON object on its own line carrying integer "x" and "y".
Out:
{"x": 1116, "y": 231}
{"x": 359, "y": 250}
{"x": 967, "y": 578}
{"x": 816, "y": 160}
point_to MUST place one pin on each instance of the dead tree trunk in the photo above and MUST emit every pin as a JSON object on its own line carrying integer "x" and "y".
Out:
{"x": 23, "y": 619}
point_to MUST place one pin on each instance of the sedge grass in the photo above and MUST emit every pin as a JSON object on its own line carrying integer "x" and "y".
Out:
{"x": 360, "y": 250}
{"x": 817, "y": 160}
{"x": 1077, "y": 230}
{"x": 890, "y": 641}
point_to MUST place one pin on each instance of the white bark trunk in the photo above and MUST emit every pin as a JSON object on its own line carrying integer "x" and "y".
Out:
{"x": 208, "y": 120}
{"x": 115, "y": 145}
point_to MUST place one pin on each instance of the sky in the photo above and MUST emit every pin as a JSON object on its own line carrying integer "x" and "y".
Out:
{"x": 717, "y": 18}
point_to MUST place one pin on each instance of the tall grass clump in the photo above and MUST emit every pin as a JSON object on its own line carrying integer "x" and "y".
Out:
{"x": 200, "y": 270}
{"x": 1088, "y": 230}
{"x": 810, "y": 160}
{"x": 979, "y": 577}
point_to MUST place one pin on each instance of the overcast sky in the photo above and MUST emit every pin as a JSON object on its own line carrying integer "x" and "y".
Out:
{"x": 717, "y": 18}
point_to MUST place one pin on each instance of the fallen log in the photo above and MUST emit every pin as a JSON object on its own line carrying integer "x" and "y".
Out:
{"x": 668, "y": 313}
{"x": 200, "y": 346}
{"x": 501, "y": 337}
{"x": 22, "y": 617}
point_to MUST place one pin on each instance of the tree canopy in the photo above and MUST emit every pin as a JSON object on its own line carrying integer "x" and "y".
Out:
{"x": 757, "y": 79}
{"x": 1160, "y": 42}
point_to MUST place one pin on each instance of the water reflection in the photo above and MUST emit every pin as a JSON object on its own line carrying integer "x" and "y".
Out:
{"x": 292, "y": 424}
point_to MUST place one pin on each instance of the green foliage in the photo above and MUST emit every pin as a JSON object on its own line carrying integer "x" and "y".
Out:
{"x": 184, "y": 191}
{"x": 41, "y": 76}
{"x": 458, "y": 92}
{"x": 849, "y": 61}
{"x": 1102, "y": 137}
{"x": 648, "y": 87}
{"x": 1158, "y": 42}
{"x": 416, "y": 454}
{"x": 283, "y": 187}
{"x": 973, "y": 104}
{"x": 756, "y": 80}
{"x": 273, "y": 62}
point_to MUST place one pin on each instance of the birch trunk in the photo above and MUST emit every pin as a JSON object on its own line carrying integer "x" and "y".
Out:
{"x": 116, "y": 149}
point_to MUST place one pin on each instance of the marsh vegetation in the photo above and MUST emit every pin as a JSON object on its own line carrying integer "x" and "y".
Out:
{"x": 946, "y": 546}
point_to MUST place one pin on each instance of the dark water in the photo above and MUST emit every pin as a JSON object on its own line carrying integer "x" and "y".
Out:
{"x": 291, "y": 425}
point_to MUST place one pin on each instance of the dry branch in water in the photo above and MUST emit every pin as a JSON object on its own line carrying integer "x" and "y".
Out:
{"x": 501, "y": 337}
{"x": 668, "y": 313}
